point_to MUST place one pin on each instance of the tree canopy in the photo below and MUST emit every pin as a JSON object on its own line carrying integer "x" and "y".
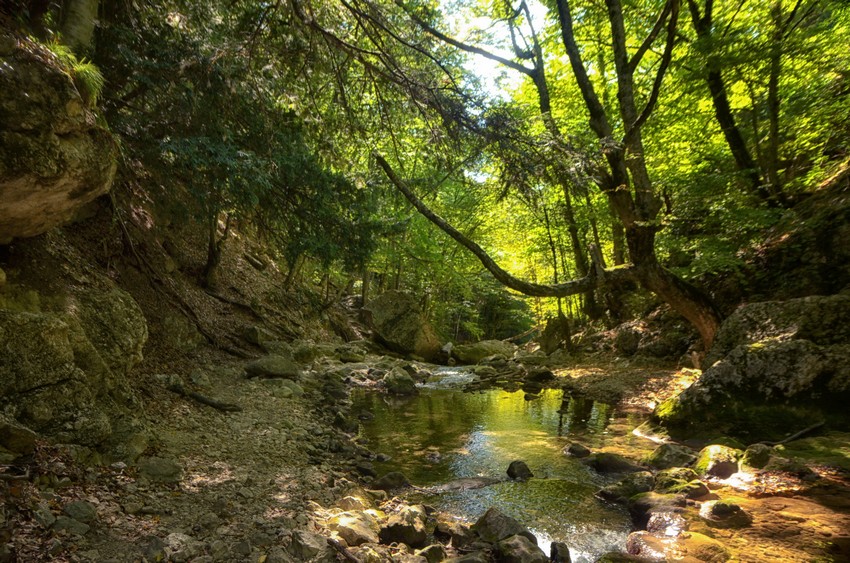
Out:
{"x": 576, "y": 147}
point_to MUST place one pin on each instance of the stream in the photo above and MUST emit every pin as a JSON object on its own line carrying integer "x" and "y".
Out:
{"x": 444, "y": 434}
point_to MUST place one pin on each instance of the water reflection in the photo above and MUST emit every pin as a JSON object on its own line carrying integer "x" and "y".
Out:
{"x": 444, "y": 434}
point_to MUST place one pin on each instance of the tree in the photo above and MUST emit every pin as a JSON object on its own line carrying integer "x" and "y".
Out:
{"x": 624, "y": 176}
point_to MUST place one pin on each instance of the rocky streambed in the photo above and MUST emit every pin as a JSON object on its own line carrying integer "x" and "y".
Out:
{"x": 304, "y": 473}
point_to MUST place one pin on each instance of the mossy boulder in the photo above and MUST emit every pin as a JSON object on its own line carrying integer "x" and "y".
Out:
{"x": 718, "y": 461}
{"x": 666, "y": 456}
{"x": 399, "y": 324}
{"x": 399, "y": 382}
{"x": 64, "y": 373}
{"x": 477, "y": 351}
{"x": 631, "y": 485}
{"x": 774, "y": 368}
{"x": 54, "y": 157}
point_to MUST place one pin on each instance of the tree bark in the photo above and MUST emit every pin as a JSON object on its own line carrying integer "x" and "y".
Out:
{"x": 78, "y": 23}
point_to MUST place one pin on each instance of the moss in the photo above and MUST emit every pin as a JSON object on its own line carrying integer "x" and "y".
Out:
{"x": 669, "y": 411}
{"x": 832, "y": 449}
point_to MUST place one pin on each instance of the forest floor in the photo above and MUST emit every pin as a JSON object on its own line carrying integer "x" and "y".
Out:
{"x": 253, "y": 481}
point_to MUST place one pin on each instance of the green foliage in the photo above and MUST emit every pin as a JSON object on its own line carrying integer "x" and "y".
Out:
{"x": 88, "y": 80}
{"x": 87, "y": 77}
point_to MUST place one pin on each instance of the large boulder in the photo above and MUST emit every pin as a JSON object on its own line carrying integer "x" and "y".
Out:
{"x": 774, "y": 368}
{"x": 474, "y": 353}
{"x": 54, "y": 158}
{"x": 399, "y": 324}
{"x": 63, "y": 374}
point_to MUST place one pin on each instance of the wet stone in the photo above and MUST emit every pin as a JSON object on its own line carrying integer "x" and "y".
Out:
{"x": 520, "y": 549}
{"x": 390, "y": 481}
{"x": 559, "y": 553}
{"x": 519, "y": 471}
{"x": 495, "y": 525}
{"x": 577, "y": 450}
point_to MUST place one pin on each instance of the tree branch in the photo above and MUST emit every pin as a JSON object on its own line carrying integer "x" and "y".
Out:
{"x": 572, "y": 287}
{"x": 662, "y": 69}
{"x": 650, "y": 39}
{"x": 471, "y": 48}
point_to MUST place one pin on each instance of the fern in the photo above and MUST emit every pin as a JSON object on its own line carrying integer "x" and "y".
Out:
{"x": 87, "y": 77}
{"x": 88, "y": 80}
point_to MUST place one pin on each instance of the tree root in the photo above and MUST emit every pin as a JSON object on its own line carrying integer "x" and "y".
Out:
{"x": 799, "y": 434}
{"x": 225, "y": 407}
{"x": 344, "y": 551}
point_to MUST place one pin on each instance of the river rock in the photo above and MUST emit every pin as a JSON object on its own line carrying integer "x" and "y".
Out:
{"x": 757, "y": 456}
{"x": 398, "y": 382}
{"x": 356, "y": 528}
{"x": 181, "y": 547}
{"x": 495, "y": 525}
{"x": 666, "y": 524}
{"x": 399, "y": 324}
{"x": 610, "y": 463}
{"x": 577, "y": 450}
{"x": 391, "y": 481}
{"x": 775, "y": 366}
{"x": 406, "y": 526}
{"x": 644, "y": 505}
{"x": 434, "y": 553}
{"x": 559, "y": 552}
{"x": 717, "y": 461}
{"x": 519, "y": 471}
{"x": 457, "y": 534}
{"x": 307, "y": 546}
{"x": 474, "y": 353}
{"x": 666, "y": 456}
{"x": 720, "y": 514}
{"x": 54, "y": 156}
{"x": 680, "y": 480}
{"x": 520, "y": 549}
{"x": 631, "y": 485}
{"x": 273, "y": 366}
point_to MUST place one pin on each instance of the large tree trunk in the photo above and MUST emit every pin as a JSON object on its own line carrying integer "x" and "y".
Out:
{"x": 78, "y": 22}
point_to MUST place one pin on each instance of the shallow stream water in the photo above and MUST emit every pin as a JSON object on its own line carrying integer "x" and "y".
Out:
{"x": 445, "y": 434}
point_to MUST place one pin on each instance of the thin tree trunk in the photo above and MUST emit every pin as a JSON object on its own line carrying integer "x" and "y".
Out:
{"x": 554, "y": 253}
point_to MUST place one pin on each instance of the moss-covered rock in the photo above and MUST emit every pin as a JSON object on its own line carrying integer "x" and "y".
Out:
{"x": 399, "y": 324}
{"x": 54, "y": 158}
{"x": 64, "y": 373}
{"x": 717, "y": 461}
{"x": 669, "y": 455}
{"x": 774, "y": 368}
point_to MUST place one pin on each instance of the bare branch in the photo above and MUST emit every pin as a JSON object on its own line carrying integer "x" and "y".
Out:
{"x": 572, "y": 287}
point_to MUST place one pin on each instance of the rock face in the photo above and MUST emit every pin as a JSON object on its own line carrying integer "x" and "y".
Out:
{"x": 53, "y": 157}
{"x": 774, "y": 368}
{"x": 400, "y": 325}
{"x": 63, "y": 374}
